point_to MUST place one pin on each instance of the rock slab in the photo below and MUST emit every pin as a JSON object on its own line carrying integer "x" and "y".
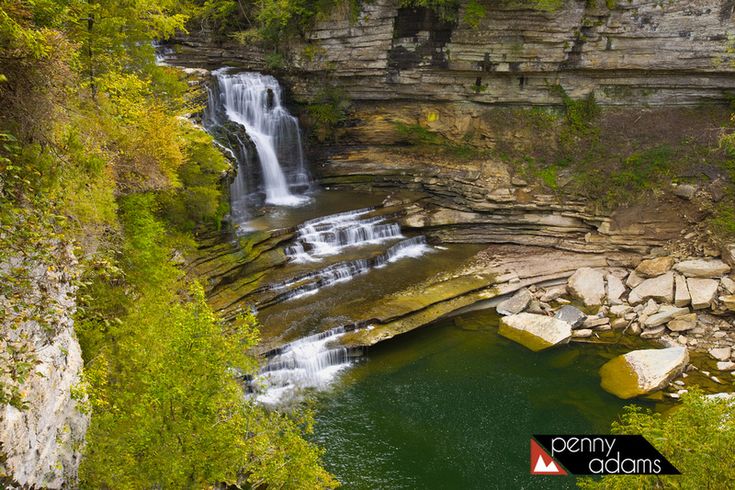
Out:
{"x": 642, "y": 371}
{"x": 536, "y": 332}
{"x": 587, "y": 285}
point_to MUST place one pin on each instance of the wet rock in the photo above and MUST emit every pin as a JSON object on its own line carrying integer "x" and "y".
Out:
{"x": 659, "y": 288}
{"x": 654, "y": 267}
{"x": 685, "y": 191}
{"x": 587, "y": 285}
{"x": 573, "y": 316}
{"x": 720, "y": 353}
{"x": 681, "y": 295}
{"x": 665, "y": 315}
{"x": 702, "y": 268}
{"x": 642, "y": 371}
{"x": 702, "y": 291}
{"x": 515, "y": 304}
{"x": 615, "y": 289}
{"x": 536, "y": 332}
{"x": 683, "y": 323}
{"x": 725, "y": 366}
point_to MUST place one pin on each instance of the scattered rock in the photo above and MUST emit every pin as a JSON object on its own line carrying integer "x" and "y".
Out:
{"x": 654, "y": 267}
{"x": 650, "y": 308}
{"x": 726, "y": 366}
{"x": 682, "y": 339}
{"x": 720, "y": 353}
{"x": 702, "y": 291}
{"x": 573, "y": 316}
{"x": 659, "y": 288}
{"x": 536, "y": 307}
{"x": 536, "y": 332}
{"x": 653, "y": 333}
{"x": 587, "y": 285}
{"x": 728, "y": 302}
{"x": 634, "y": 280}
{"x": 681, "y": 294}
{"x": 728, "y": 253}
{"x": 620, "y": 310}
{"x": 685, "y": 191}
{"x": 702, "y": 268}
{"x": 582, "y": 333}
{"x": 634, "y": 329}
{"x": 728, "y": 285}
{"x": 665, "y": 315}
{"x": 593, "y": 321}
{"x": 619, "y": 323}
{"x": 615, "y": 289}
{"x": 683, "y": 323}
{"x": 642, "y": 371}
{"x": 515, "y": 304}
{"x": 553, "y": 292}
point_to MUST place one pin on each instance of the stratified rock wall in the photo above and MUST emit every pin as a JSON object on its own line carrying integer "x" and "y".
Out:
{"x": 639, "y": 52}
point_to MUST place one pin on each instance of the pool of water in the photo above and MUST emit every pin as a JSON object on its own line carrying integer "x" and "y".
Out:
{"x": 453, "y": 405}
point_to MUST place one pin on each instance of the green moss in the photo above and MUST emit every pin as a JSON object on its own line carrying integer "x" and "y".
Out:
{"x": 523, "y": 337}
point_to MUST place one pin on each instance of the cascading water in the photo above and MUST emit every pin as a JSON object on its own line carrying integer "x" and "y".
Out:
{"x": 305, "y": 363}
{"x": 253, "y": 101}
{"x": 329, "y": 235}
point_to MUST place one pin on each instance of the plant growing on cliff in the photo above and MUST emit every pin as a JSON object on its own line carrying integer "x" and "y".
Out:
{"x": 696, "y": 436}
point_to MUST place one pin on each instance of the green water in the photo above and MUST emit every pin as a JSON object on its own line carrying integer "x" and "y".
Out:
{"x": 454, "y": 405}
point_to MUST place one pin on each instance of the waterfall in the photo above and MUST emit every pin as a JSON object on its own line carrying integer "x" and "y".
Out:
{"x": 305, "y": 363}
{"x": 312, "y": 282}
{"x": 253, "y": 101}
{"x": 329, "y": 235}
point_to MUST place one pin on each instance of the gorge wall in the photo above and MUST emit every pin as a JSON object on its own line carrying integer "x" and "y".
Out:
{"x": 637, "y": 52}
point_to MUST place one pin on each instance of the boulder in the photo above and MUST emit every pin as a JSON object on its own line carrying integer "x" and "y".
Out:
{"x": 702, "y": 291}
{"x": 619, "y": 323}
{"x": 587, "y": 285}
{"x": 654, "y": 267}
{"x": 653, "y": 333}
{"x": 615, "y": 289}
{"x": 683, "y": 323}
{"x": 684, "y": 191}
{"x": 725, "y": 366}
{"x": 536, "y": 332}
{"x": 659, "y": 288}
{"x": 681, "y": 295}
{"x": 553, "y": 292}
{"x": 642, "y": 371}
{"x": 664, "y": 315}
{"x": 720, "y": 353}
{"x": 573, "y": 316}
{"x": 594, "y": 321}
{"x": 515, "y": 304}
{"x": 702, "y": 268}
{"x": 650, "y": 308}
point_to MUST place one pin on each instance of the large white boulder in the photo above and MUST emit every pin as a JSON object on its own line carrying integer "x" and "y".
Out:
{"x": 587, "y": 285}
{"x": 702, "y": 268}
{"x": 537, "y": 332}
{"x": 659, "y": 288}
{"x": 642, "y": 371}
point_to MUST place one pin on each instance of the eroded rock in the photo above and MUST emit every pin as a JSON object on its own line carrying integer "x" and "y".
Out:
{"x": 587, "y": 285}
{"x": 654, "y": 267}
{"x": 515, "y": 304}
{"x": 659, "y": 288}
{"x": 536, "y": 332}
{"x": 642, "y": 371}
{"x": 702, "y": 291}
{"x": 702, "y": 268}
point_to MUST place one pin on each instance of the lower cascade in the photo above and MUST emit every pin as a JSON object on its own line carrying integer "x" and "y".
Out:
{"x": 309, "y": 362}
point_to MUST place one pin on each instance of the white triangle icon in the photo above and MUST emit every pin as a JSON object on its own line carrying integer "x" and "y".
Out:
{"x": 542, "y": 467}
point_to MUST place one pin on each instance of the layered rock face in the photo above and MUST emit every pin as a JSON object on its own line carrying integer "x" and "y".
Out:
{"x": 42, "y": 439}
{"x": 638, "y": 52}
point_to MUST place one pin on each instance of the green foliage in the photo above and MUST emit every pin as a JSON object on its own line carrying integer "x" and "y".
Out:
{"x": 642, "y": 170}
{"x": 327, "y": 112}
{"x": 425, "y": 141}
{"x": 474, "y": 12}
{"x": 697, "y": 437}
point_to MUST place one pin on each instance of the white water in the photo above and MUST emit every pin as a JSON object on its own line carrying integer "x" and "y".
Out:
{"x": 329, "y": 235}
{"x": 305, "y": 363}
{"x": 253, "y": 100}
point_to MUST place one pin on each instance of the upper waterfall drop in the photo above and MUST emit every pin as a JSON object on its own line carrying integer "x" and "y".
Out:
{"x": 253, "y": 101}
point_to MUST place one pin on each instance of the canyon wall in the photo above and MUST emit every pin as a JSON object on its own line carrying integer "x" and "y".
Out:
{"x": 637, "y": 52}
